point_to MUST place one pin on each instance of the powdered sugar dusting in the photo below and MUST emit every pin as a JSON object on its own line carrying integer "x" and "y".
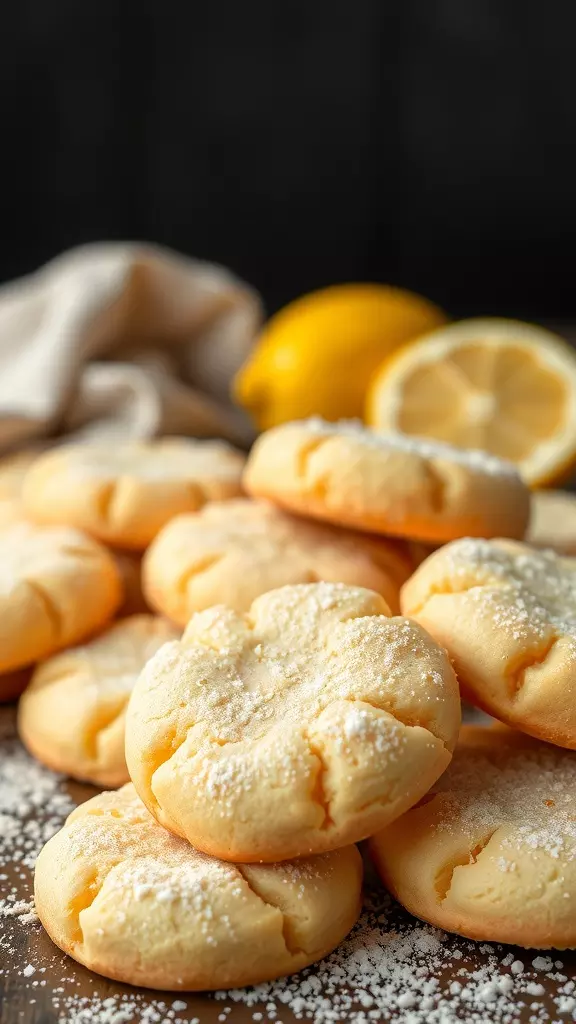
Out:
{"x": 320, "y": 643}
{"x": 254, "y": 701}
{"x": 530, "y": 790}
{"x": 23, "y": 910}
{"x": 474, "y": 459}
{"x": 528, "y": 593}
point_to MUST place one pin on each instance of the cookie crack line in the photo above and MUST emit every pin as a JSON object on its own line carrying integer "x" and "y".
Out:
{"x": 50, "y": 607}
{"x": 437, "y": 488}
{"x": 516, "y": 675}
{"x": 81, "y": 553}
{"x": 199, "y": 491}
{"x": 201, "y": 566}
{"x": 319, "y": 487}
{"x": 165, "y": 754}
{"x": 94, "y": 733}
{"x": 113, "y": 812}
{"x": 445, "y": 876}
{"x": 318, "y": 793}
{"x": 104, "y": 501}
{"x": 447, "y": 589}
{"x": 402, "y": 718}
{"x": 306, "y": 451}
{"x": 85, "y": 900}
{"x": 287, "y": 925}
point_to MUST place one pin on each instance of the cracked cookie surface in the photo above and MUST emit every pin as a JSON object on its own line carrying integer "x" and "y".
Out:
{"x": 72, "y": 714}
{"x": 56, "y": 586}
{"x": 123, "y": 494}
{"x": 231, "y": 552}
{"x": 490, "y": 852}
{"x": 387, "y": 483}
{"x": 303, "y": 725}
{"x": 129, "y": 900}
{"x": 506, "y": 613}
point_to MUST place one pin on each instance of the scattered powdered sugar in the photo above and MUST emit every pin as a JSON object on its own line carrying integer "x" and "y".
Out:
{"x": 33, "y": 804}
{"x": 23, "y": 910}
{"x": 390, "y": 967}
{"x": 542, "y": 963}
{"x": 473, "y": 458}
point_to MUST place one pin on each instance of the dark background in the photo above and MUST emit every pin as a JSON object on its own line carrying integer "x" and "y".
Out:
{"x": 430, "y": 143}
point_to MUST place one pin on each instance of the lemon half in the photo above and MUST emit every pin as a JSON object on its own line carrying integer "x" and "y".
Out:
{"x": 501, "y": 385}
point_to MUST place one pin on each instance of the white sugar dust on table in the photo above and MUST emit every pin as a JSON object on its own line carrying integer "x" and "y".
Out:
{"x": 390, "y": 967}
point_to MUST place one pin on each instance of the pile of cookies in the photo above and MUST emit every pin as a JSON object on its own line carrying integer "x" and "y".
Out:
{"x": 298, "y": 713}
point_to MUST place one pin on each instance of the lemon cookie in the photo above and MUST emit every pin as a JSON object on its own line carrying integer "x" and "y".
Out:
{"x": 296, "y": 728}
{"x": 506, "y": 613}
{"x": 231, "y": 552}
{"x": 129, "y": 900}
{"x": 387, "y": 483}
{"x": 490, "y": 853}
{"x": 71, "y": 716}
{"x": 123, "y": 494}
{"x": 56, "y": 586}
{"x": 553, "y": 521}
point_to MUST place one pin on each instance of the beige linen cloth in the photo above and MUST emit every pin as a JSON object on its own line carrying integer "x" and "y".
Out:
{"x": 125, "y": 339}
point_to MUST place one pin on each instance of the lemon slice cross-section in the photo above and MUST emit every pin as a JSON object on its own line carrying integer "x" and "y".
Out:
{"x": 500, "y": 385}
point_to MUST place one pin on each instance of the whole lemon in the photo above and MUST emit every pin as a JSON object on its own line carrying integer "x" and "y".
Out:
{"x": 316, "y": 355}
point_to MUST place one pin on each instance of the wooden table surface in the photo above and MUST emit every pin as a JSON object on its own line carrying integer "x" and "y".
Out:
{"x": 55, "y": 988}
